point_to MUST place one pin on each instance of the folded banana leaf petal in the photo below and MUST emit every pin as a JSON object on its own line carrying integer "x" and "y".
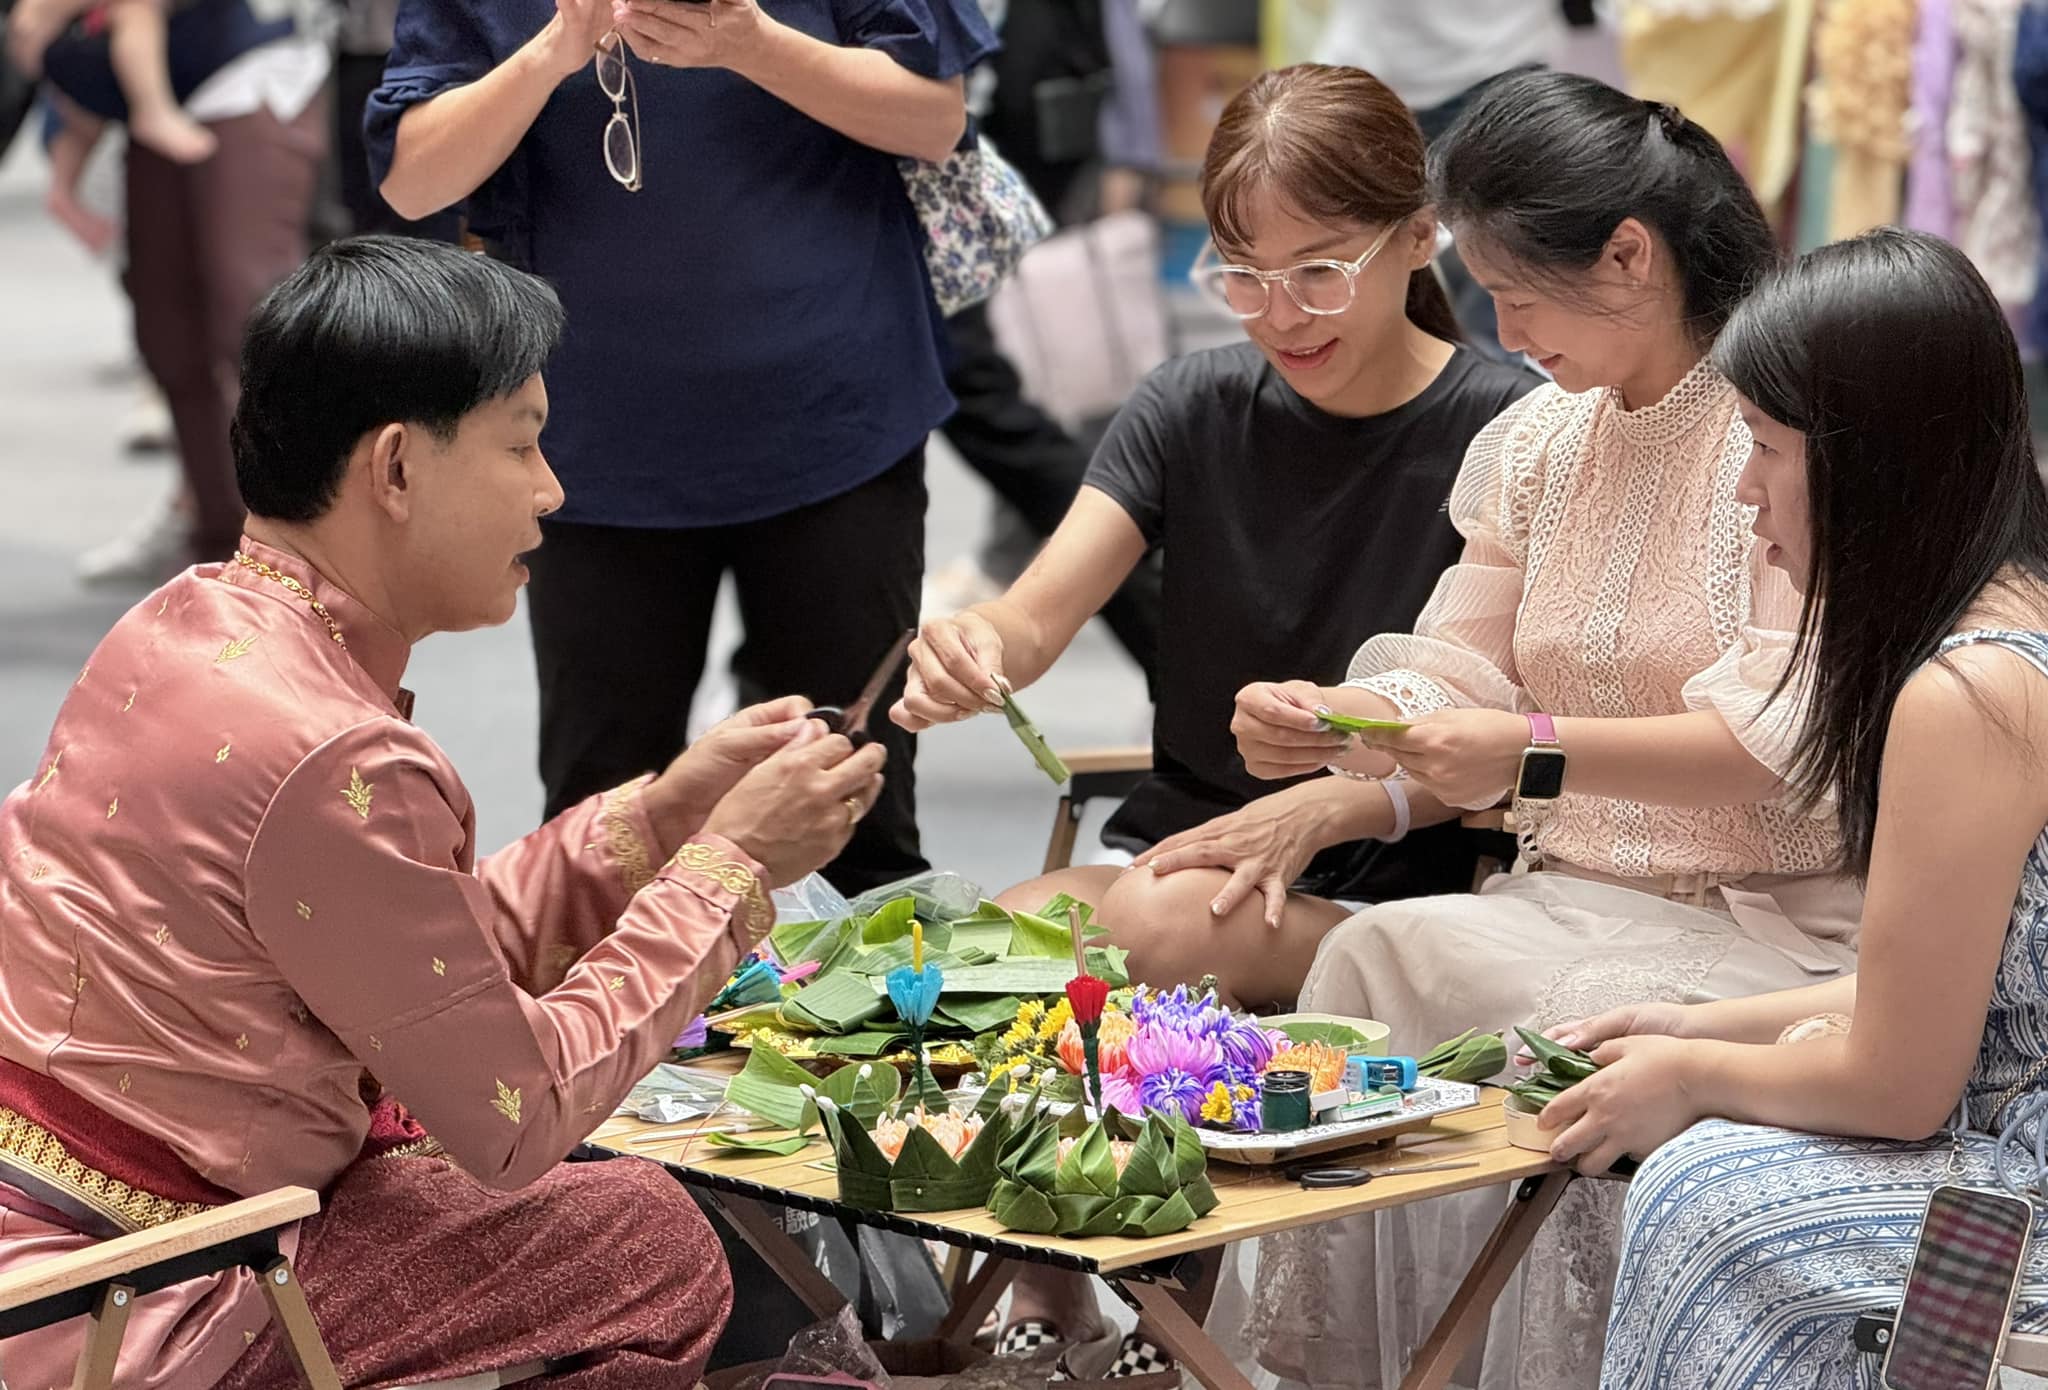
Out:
{"x": 768, "y": 1087}
{"x": 836, "y": 1001}
{"x": 1176, "y": 1213}
{"x": 1472, "y": 1056}
{"x": 976, "y": 1015}
{"x": 1089, "y": 1170}
{"x": 861, "y": 1168}
{"x": 1027, "y": 734}
{"x": 1021, "y": 1207}
{"x": 866, "y": 1090}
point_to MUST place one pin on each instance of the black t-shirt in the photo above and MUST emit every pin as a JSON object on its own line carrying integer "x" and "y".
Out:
{"x": 1290, "y": 535}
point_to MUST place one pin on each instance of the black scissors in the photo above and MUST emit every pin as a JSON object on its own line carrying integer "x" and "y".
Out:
{"x": 852, "y": 720}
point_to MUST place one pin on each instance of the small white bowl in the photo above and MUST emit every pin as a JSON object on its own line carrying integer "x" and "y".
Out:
{"x": 1523, "y": 1130}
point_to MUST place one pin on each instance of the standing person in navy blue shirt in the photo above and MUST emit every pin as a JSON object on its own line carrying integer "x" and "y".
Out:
{"x": 752, "y": 360}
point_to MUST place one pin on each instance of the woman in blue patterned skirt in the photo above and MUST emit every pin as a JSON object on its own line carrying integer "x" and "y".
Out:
{"x": 1894, "y": 479}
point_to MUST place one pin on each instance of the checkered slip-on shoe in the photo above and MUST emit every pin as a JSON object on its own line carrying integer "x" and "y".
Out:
{"x": 1027, "y": 1337}
{"x": 1138, "y": 1357}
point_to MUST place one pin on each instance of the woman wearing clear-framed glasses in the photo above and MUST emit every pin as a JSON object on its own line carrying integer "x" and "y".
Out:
{"x": 754, "y": 359}
{"x": 1296, "y": 483}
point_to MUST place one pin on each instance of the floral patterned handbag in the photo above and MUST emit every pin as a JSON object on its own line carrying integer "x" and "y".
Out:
{"x": 979, "y": 217}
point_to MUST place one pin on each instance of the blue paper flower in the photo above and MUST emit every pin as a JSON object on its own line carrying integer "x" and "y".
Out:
{"x": 915, "y": 993}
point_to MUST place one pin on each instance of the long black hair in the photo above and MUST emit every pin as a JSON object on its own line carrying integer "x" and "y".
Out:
{"x": 1545, "y": 165}
{"x": 1892, "y": 356}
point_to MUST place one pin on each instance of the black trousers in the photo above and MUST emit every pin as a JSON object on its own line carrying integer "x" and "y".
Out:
{"x": 621, "y": 617}
{"x": 1035, "y": 466}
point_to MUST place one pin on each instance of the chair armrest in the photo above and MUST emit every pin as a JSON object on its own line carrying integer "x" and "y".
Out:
{"x": 1084, "y": 762}
{"x": 83, "y": 1268}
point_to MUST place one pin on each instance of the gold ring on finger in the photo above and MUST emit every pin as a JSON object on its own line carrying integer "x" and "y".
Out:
{"x": 854, "y": 810}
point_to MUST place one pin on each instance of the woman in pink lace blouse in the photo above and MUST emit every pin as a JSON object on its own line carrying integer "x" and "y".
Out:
{"x": 1602, "y": 652}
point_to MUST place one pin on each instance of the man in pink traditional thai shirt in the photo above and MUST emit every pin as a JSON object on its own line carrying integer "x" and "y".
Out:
{"x": 239, "y": 901}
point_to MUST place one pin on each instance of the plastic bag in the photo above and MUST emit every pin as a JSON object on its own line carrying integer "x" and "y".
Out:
{"x": 941, "y": 897}
{"x": 671, "y": 1093}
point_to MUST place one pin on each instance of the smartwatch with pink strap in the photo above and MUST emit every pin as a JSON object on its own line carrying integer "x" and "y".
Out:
{"x": 1543, "y": 762}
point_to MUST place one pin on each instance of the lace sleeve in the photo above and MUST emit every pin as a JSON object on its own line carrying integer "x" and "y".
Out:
{"x": 1740, "y": 684}
{"x": 1462, "y": 651}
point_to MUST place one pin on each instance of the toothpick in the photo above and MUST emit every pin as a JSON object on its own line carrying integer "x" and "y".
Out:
{"x": 1080, "y": 953}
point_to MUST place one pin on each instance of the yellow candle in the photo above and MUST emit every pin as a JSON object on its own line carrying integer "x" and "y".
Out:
{"x": 916, "y": 944}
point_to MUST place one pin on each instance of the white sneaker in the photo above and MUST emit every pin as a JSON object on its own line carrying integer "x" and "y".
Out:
{"x": 148, "y": 552}
{"x": 148, "y": 429}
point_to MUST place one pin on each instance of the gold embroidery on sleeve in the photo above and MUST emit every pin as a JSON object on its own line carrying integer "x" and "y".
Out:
{"x": 506, "y": 1102}
{"x": 51, "y": 771}
{"x": 357, "y": 793}
{"x": 38, "y": 872}
{"x": 248, "y": 1338}
{"x": 440, "y": 966}
{"x": 237, "y": 647}
{"x": 78, "y": 984}
{"x": 112, "y": 807}
{"x": 162, "y": 606}
{"x": 125, "y": 1083}
{"x": 220, "y": 754}
{"x": 616, "y": 983}
{"x": 628, "y": 849}
{"x": 163, "y": 934}
{"x": 376, "y": 1044}
{"x": 305, "y": 913}
{"x": 241, "y": 1042}
{"x": 756, "y": 913}
{"x": 130, "y": 703}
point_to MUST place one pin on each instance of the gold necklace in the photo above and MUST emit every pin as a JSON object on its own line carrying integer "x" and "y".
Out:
{"x": 297, "y": 590}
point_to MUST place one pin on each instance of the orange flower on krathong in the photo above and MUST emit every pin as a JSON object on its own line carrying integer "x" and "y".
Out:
{"x": 1112, "y": 1036}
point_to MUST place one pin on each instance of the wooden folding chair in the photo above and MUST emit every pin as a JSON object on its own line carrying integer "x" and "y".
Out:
{"x": 1097, "y": 772}
{"x": 104, "y": 1281}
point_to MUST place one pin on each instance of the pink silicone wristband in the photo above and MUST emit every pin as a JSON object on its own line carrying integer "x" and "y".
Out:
{"x": 1542, "y": 730}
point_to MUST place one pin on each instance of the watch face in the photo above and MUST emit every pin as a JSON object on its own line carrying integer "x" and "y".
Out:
{"x": 1542, "y": 774}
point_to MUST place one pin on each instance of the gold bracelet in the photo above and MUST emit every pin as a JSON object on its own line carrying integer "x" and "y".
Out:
{"x": 716, "y": 865}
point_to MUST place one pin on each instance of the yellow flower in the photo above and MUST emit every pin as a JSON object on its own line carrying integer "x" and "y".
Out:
{"x": 1026, "y": 1026}
{"x": 1244, "y": 1093}
{"x": 1216, "y": 1107}
{"x": 1056, "y": 1018}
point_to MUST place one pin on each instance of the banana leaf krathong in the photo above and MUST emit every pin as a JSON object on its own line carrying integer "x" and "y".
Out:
{"x": 1162, "y": 1186}
{"x": 923, "y": 1176}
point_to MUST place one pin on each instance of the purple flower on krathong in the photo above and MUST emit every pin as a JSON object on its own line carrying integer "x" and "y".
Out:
{"x": 1154, "y": 1050}
{"x": 1120, "y": 1093}
{"x": 1172, "y": 1092}
{"x": 693, "y": 1036}
{"x": 1247, "y": 1047}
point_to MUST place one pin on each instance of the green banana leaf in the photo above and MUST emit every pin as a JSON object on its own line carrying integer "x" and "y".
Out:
{"x": 977, "y": 1015}
{"x": 746, "y": 1146}
{"x": 767, "y": 1087}
{"x": 988, "y": 931}
{"x": 791, "y": 938}
{"x": 897, "y": 955}
{"x": 1035, "y": 978}
{"x": 867, "y": 1090}
{"x": 835, "y": 1001}
{"x": 892, "y": 923}
{"x": 1340, "y": 1035}
{"x": 1472, "y": 1056}
{"x": 1177, "y": 1213}
{"x": 872, "y": 1042}
{"x": 1566, "y": 1063}
{"x": 1034, "y": 742}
